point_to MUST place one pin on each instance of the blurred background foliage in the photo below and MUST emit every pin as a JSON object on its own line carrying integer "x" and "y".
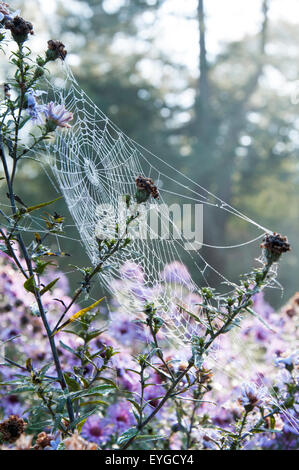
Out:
{"x": 230, "y": 124}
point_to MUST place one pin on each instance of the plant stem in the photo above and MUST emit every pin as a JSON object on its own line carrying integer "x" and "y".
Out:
{"x": 159, "y": 406}
{"x": 36, "y": 293}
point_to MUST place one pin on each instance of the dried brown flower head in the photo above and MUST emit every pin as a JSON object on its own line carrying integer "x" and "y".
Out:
{"x": 274, "y": 245}
{"x": 56, "y": 50}
{"x": 43, "y": 440}
{"x": 11, "y": 428}
{"x": 146, "y": 188}
{"x": 20, "y": 29}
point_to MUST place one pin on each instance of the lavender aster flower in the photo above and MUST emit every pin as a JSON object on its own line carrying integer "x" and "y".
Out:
{"x": 124, "y": 330}
{"x": 96, "y": 430}
{"x": 120, "y": 416}
{"x": 251, "y": 396}
{"x": 34, "y": 109}
{"x": 176, "y": 273}
{"x": 57, "y": 116}
{"x": 132, "y": 271}
{"x": 288, "y": 362}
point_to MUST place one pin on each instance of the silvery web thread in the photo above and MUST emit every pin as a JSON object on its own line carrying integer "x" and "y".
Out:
{"x": 96, "y": 163}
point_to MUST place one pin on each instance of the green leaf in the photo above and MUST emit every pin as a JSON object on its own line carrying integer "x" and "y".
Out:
{"x": 41, "y": 266}
{"x": 94, "y": 402}
{"x": 93, "y": 334}
{"x": 83, "y": 418}
{"x": 98, "y": 390}
{"x": 68, "y": 348}
{"x": 49, "y": 286}
{"x": 25, "y": 120}
{"x": 149, "y": 437}
{"x": 28, "y": 388}
{"x": 135, "y": 404}
{"x": 29, "y": 285}
{"x": 80, "y": 425}
{"x": 127, "y": 435}
{"x": 71, "y": 383}
{"x": 40, "y": 206}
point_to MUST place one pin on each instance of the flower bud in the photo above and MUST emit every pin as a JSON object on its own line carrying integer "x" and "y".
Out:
{"x": 274, "y": 245}
{"x": 56, "y": 50}
{"x": 145, "y": 188}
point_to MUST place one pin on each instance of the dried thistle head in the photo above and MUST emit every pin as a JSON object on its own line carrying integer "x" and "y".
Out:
{"x": 145, "y": 188}
{"x": 274, "y": 245}
{"x": 11, "y": 429}
{"x": 20, "y": 29}
{"x": 56, "y": 50}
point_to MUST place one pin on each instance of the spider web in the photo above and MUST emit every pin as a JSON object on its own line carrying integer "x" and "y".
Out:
{"x": 95, "y": 165}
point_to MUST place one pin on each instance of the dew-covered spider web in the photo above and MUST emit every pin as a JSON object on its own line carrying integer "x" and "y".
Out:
{"x": 95, "y": 165}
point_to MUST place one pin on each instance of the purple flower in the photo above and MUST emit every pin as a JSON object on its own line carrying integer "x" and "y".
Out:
{"x": 12, "y": 405}
{"x": 34, "y": 109}
{"x": 152, "y": 395}
{"x": 132, "y": 271}
{"x": 251, "y": 396}
{"x": 124, "y": 330}
{"x": 97, "y": 430}
{"x": 176, "y": 273}
{"x": 126, "y": 378}
{"x": 58, "y": 115}
{"x": 121, "y": 416}
{"x": 261, "y": 306}
{"x": 290, "y": 361}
